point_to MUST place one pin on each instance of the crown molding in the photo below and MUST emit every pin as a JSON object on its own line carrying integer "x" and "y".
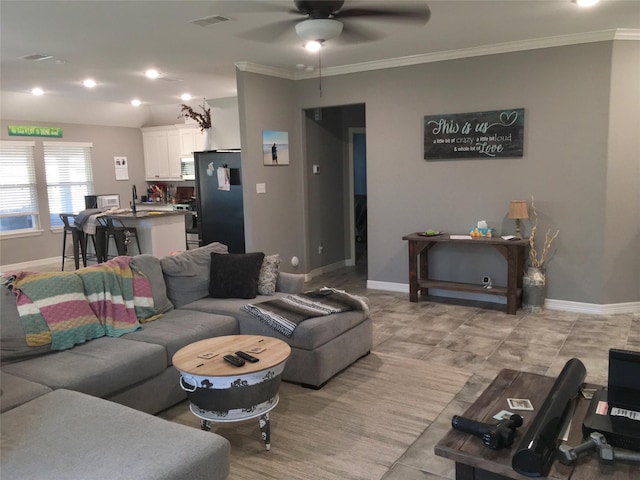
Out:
{"x": 509, "y": 47}
{"x": 265, "y": 70}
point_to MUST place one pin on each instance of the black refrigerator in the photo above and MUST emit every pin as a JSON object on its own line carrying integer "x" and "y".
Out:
{"x": 219, "y": 198}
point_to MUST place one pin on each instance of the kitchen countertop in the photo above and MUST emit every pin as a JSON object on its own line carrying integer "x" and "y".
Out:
{"x": 148, "y": 214}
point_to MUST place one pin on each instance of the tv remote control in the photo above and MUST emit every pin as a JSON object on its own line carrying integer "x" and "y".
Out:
{"x": 233, "y": 360}
{"x": 247, "y": 357}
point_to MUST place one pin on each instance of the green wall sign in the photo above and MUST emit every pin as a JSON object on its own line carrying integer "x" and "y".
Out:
{"x": 28, "y": 131}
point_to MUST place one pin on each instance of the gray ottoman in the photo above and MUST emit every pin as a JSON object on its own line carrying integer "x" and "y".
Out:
{"x": 72, "y": 436}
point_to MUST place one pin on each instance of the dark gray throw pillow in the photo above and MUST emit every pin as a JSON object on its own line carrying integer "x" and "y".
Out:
{"x": 235, "y": 275}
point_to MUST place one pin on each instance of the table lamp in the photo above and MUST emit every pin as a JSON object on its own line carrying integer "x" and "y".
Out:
{"x": 518, "y": 210}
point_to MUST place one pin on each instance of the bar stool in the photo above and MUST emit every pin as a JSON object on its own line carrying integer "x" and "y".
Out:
{"x": 121, "y": 235}
{"x": 76, "y": 240}
{"x": 98, "y": 255}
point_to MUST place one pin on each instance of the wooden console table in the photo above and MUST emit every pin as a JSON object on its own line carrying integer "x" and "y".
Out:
{"x": 512, "y": 250}
{"x": 474, "y": 461}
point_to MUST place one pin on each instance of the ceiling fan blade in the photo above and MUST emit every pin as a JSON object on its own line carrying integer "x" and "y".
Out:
{"x": 354, "y": 34}
{"x": 272, "y": 32}
{"x": 399, "y": 11}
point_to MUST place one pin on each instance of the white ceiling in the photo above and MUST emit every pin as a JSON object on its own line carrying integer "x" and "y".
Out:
{"x": 115, "y": 41}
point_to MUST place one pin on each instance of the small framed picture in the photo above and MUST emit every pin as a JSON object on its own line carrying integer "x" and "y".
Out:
{"x": 275, "y": 147}
{"x": 519, "y": 403}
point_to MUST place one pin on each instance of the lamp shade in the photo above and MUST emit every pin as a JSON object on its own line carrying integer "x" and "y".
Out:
{"x": 518, "y": 209}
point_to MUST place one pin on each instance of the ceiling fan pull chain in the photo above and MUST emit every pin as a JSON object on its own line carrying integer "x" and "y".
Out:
{"x": 320, "y": 71}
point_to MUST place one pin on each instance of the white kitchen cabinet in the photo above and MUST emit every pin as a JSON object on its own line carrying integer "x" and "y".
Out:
{"x": 191, "y": 139}
{"x": 161, "y": 153}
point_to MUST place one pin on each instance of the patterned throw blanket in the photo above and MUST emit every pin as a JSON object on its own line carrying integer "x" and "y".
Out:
{"x": 68, "y": 308}
{"x": 285, "y": 314}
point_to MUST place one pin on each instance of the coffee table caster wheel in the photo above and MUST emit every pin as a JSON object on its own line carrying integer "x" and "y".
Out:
{"x": 205, "y": 425}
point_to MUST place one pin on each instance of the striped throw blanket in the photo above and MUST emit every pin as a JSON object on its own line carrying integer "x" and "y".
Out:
{"x": 285, "y": 314}
{"x": 68, "y": 308}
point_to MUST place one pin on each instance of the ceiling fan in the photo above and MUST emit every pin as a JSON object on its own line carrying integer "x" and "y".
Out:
{"x": 338, "y": 19}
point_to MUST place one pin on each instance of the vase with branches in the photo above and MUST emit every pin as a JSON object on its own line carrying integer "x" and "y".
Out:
{"x": 202, "y": 119}
{"x": 534, "y": 281}
{"x": 537, "y": 260}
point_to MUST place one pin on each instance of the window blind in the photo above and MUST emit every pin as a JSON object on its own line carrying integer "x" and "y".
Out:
{"x": 69, "y": 177}
{"x": 18, "y": 192}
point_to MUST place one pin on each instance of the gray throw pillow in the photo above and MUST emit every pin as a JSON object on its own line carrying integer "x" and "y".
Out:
{"x": 235, "y": 275}
{"x": 13, "y": 340}
{"x": 187, "y": 274}
{"x": 151, "y": 268}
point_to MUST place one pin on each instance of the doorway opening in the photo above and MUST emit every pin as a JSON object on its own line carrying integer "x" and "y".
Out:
{"x": 336, "y": 187}
{"x": 358, "y": 179}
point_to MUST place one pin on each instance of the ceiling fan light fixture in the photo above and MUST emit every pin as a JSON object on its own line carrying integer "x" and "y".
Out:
{"x": 313, "y": 46}
{"x": 318, "y": 29}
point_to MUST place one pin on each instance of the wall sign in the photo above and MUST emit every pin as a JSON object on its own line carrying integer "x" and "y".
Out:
{"x": 498, "y": 133}
{"x": 28, "y": 131}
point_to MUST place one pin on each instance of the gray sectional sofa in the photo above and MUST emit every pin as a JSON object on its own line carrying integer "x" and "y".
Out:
{"x": 131, "y": 374}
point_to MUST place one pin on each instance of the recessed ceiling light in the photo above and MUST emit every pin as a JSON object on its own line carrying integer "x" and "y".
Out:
{"x": 185, "y": 96}
{"x": 37, "y": 91}
{"x": 152, "y": 74}
{"x": 586, "y": 3}
{"x": 89, "y": 83}
{"x": 136, "y": 103}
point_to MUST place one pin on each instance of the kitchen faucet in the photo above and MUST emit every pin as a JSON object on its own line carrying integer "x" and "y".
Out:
{"x": 134, "y": 196}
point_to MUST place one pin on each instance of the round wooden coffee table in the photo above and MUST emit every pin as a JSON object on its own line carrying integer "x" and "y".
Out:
{"x": 221, "y": 392}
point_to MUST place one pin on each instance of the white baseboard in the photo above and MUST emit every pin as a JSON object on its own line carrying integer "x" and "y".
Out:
{"x": 31, "y": 264}
{"x": 551, "y": 304}
{"x": 594, "y": 308}
{"x": 325, "y": 269}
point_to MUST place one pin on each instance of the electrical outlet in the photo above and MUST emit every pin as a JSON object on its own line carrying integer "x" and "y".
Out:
{"x": 320, "y": 249}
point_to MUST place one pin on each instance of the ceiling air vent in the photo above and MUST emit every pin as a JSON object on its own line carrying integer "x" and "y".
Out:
{"x": 36, "y": 57}
{"x": 212, "y": 20}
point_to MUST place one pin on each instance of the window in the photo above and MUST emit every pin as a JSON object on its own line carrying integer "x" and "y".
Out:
{"x": 69, "y": 177}
{"x": 18, "y": 193}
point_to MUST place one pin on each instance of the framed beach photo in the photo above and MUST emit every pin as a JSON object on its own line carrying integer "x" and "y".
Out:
{"x": 275, "y": 147}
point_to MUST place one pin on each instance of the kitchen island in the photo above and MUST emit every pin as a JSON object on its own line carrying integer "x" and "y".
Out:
{"x": 161, "y": 233}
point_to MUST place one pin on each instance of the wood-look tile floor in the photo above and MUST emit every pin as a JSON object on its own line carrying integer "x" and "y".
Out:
{"x": 481, "y": 339}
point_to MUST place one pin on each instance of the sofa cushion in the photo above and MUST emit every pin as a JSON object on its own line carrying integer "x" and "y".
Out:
{"x": 151, "y": 268}
{"x": 99, "y": 367}
{"x": 309, "y": 335}
{"x": 179, "y": 328}
{"x": 71, "y": 436}
{"x": 187, "y": 274}
{"x": 235, "y": 275}
{"x": 268, "y": 276}
{"x": 13, "y": 341}
{"x": 15, "y": 391}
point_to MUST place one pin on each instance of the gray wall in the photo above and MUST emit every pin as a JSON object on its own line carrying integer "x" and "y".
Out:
{"x": 621, "y": 273}
{"x": 579, "y": 144}
{"x": 107, "y": 143}
{"x": 274, "y": 221}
